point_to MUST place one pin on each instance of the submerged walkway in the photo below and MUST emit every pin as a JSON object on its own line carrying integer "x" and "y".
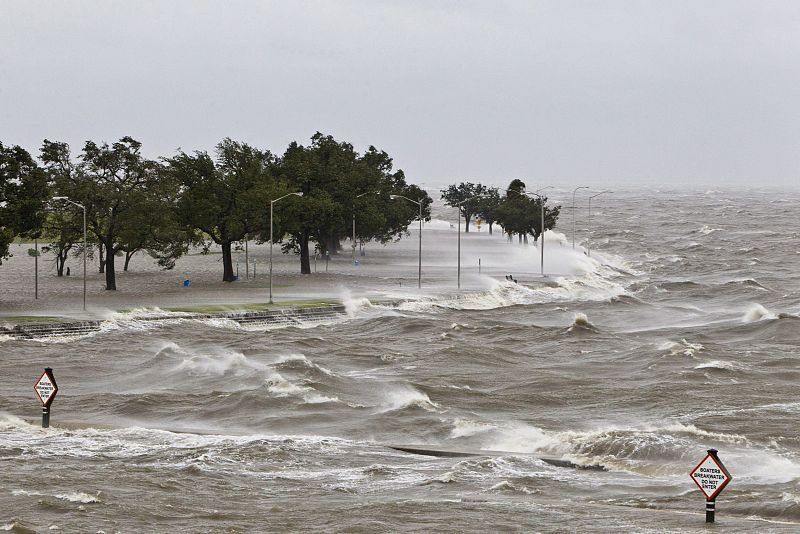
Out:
{"x": 279, "y": 317}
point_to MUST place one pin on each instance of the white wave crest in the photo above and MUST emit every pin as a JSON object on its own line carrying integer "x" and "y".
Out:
{"x": 142, "y": 313}
{"x": 720, "y": 364}
{"x": 223, "y": 323}
{"x": 757, "y": 312}
{"x": 581, "y": 322}
{"x": 681, "y": 428}
{"x": 631, "y": 448}
{"x": 78, "y": 496}
{"x": 507, "y": 485}
{"x": 139, "y": 319}
{"x": 684, "y": 347}
{"x": 304, "y": 361}
{"x": 519, "y": 437}
{"x": 15, "y": 526}
{"x": 504, "y": 293}
{"x": 223, "y": 363}
{"x": 705, "y": 230}
{"x": 400, "y": 398}
{"x": 792, "y": 498}
{"x": 353, "y": 305}
{"x": 465, "y": 427}
{"x": 74, "y": 496}
{"x": 280, "y": 387}
{"x": 10, "y": 422}
{"x": 763, "y": 466}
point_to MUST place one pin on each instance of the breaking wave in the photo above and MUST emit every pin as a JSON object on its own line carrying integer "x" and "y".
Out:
{"x": 757, "y": 312}
{"x": 465, "y": 427}
{"x": 722, "y": 365}
{"x": 581, "y": 324}
{"x": 405, "y": 397}
{"x": 75, "y": 496}
{"x": 747, "y": 282}
{"x": 684, "y": 347}
{"x": 223, "y": 363}
{"x": 281, "y": 387}
{"x": 705, "y": 230}
{"x": 293, "y": 360}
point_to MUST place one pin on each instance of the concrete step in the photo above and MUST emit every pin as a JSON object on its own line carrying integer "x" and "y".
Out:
{"x": 284, "y": 317}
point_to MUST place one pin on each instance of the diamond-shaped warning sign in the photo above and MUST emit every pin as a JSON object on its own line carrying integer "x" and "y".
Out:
{"x": 711, "y": 476}
{"x": 46, "y": 387}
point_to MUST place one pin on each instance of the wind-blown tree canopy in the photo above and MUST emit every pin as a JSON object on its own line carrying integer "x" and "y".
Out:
{"x": 338, "y": 184}
{"x": 466, "y": 197}
{"x": 519, "y": 214}
{"x": 118, "y": 187}
{"x": 63, "y": 228}
{"x": 551, "y": 214}
{"x": 226, "y": 198}
{"x": 63, "y": 225}
{"x": 380, "y": 218}
{"x": 487, "y": 207}
{"x": 516, "y": 215}
{"x": 23, "y": 191}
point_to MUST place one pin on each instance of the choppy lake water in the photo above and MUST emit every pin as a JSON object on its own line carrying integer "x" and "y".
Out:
{"x": 680, "y": 333}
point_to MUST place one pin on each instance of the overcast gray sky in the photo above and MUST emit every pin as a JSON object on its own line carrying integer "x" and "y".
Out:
{"x": 561, "y": 92}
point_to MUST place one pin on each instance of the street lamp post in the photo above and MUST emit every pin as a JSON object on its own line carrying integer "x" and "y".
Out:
{"x": 271, "y": 206}
{"x": 65, "y": 199}
{"x": 419, "y": 272}
{"x": 541, "y": 201}
{"x": 541, "y": 205}
{"x": 458, "y": 207}
{"x": 589, "y": 233}
{"x": 573, "y": 212}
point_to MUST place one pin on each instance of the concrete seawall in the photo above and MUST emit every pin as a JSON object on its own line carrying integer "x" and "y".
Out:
{"x": 283, "y": 317}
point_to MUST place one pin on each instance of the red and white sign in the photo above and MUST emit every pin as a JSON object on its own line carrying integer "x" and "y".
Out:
{"x": 46, "y": 388}
{"x": 711, "y": 476}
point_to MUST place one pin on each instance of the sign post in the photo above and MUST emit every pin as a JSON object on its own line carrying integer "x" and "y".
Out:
{"x": 711, "y": 477}
{"x": 46, "y": 388}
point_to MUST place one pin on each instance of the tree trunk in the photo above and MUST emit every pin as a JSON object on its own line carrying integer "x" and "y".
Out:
{"x": 520, "y": 238}
{"x": 305, "y": 263}
{"x": 128, "y": 256}
{"x": 525, "y": 239}
{"x": 467, "y": 217}
{"x": 227, "y": 263}
{"x": 490, "y": 228}
{"x": 61, "y": 259}
{"x": 102, "y": 251}
{"x": 111, "y": 278}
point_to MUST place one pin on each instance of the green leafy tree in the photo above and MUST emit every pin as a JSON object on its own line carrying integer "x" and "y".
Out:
{"x": 487, "y": 207}
{"x": 63, "y": 228}
{"x": 117, "y": 185}
{"x": 516, "y": 215}
{"x": 63, "y": 225}
{"x": 226, "y": 198}
{"x": 154, "y": 225}
{"x": 550, "y": 218}
{"x": 364, "y": 191}
{"x": 521, "y": 215}
{"x": 466, "y": 198}
{"x": 331, "y": 175}
{"x": 23, "y": 191}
